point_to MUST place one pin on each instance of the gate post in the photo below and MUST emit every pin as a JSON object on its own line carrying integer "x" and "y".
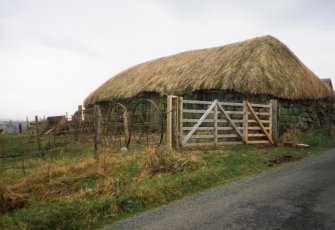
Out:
{"x": 180, "y": 121}
{"x": 245, "y": 122}
{"x": 274, "y": 121}
{"x": 172, "y": 122}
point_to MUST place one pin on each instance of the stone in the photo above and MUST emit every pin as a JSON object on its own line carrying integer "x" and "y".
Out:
{"x": 304, "y": 114}
{"x": 124, "y": 149}
{"x": 295, "y": 110}
{"x": 228, "y": 96}
{"x": 283, "y": 111}
{"x": 310, "y": 109}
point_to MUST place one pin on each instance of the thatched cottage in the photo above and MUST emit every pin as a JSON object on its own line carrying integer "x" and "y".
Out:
{"x": 258, "y": 69}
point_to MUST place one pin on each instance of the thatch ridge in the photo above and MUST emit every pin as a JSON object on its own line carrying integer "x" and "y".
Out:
{"x": 262, "y": 65}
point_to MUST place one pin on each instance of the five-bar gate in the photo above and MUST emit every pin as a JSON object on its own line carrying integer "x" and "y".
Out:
{"x": 214, "y": 123}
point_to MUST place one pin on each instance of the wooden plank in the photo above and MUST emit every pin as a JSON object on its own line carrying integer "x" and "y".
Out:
{"x": 259, "y": 122}
{"x": 260, "y": 105}
{"x": 212, "y": 120}
{"x": 197, "y": 102}
{"x": 210, "y": 102}
{"x": 202, "y": 136}
{"x": 227, "y": 135}
{"x": 258, "y": 128}
{"x": 212, "y": 128}
{"x": 245, "y": 122}
{"x": 260, "y": 142}
{"x": 230, "y": 128}
{"x": 196, "y": 120}
{"x": 230, "y": 121}
{"x": 235, "y": 112}
{"x": 199, "y": 128}
{"x": 203, "y": 111}
{"x": 256, "y": 135}
{"x": 196, "y": 126}
{"x": 195, "y": 111}
{"x": 215, "y": 125}
{"x": 211, "y": 144}
{"x": 263, "y": 121}
{"x": 231, "y": 103}
{"x": 48, "y": 132}
{"x": 260, "y": 113}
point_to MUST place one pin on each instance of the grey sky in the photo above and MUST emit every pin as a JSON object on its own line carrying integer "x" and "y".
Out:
{"x": 54, "y": 53}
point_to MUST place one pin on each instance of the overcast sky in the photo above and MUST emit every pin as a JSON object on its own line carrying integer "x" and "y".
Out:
{"x": 54, "y": 53}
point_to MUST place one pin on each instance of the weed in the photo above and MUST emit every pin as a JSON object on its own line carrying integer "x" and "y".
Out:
{"x": 162, "y": 160}
{"x": 291, "y": 136}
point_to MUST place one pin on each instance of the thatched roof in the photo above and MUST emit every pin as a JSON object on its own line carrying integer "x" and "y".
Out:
{"x": 262, "y": 65}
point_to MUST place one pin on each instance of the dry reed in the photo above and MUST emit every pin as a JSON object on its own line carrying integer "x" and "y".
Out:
{"x": 290, "y": 136}
{"x": 160, "y": 160}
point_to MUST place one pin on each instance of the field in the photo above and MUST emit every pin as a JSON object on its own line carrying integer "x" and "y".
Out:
{"x": 69, "y": 189}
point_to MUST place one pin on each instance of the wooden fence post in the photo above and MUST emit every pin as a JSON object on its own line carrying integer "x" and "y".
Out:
{"x": 172, "y": 122}
{"x": 97, "y": 130}
{"x": 216, "y": 125}
{"x": 80, "y": 113}
{"x": 126, "y": 125}
{"x": 274, "y": 109}
{"x": 169, "y": 122}
{"x": 38, "y": 139}
{"x": 180, "y": 121}
{"x": 245, "y": 122}
{"x": 27, "y": 123}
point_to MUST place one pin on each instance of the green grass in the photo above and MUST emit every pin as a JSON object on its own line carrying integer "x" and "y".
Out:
{"x": 97, "y": 193}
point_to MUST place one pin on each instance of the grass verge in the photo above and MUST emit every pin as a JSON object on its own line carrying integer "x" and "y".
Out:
{"x": 73, "y": 191}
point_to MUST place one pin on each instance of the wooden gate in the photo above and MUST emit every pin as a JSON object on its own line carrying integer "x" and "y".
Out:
{"x": 215, "y": 123}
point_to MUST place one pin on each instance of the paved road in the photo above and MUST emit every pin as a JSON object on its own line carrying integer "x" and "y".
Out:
{"x": 300, "y": 195}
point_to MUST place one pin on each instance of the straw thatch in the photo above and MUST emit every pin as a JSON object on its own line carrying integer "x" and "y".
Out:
{"x": 261, "y": 65}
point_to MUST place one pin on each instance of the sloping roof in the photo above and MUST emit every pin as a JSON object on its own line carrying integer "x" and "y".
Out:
{"x": 262, "y": 65}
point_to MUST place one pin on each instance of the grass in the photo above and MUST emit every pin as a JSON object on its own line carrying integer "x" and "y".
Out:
{"x": 70, "y": 190}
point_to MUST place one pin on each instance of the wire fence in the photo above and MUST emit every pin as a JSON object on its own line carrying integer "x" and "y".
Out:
{"x": 93, "y": 129}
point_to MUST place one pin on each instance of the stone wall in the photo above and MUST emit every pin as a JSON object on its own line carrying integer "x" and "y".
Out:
{"x": 307, "y": 114}
{"x": 301, "y": 114}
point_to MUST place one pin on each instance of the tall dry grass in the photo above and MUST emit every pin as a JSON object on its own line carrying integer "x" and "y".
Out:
{"x": 162, "y": 160}
{"x": 291, "y": 136}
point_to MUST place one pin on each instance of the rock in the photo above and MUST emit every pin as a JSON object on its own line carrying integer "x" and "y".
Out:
{"x": 295, "y": 111}
{"x": 283, "y": 111}
{"x": 302, "y": 145}
{"x": 124, "y": 149}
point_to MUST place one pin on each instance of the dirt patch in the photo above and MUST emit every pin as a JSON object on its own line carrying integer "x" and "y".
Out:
{"x": 281, "y": 159}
